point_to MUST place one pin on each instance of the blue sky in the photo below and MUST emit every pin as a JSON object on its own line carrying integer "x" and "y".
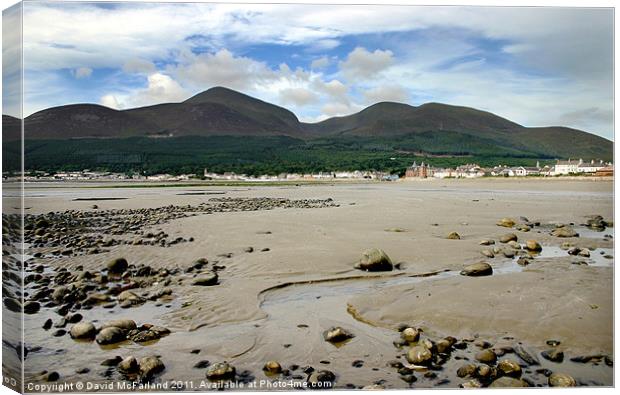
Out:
{"x": 535, "y": 66}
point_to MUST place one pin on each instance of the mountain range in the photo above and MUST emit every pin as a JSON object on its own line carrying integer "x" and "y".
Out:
{"x": 428, "y": 128}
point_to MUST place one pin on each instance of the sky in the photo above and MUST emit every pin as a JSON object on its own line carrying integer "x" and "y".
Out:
{"x": 536, "y": 66}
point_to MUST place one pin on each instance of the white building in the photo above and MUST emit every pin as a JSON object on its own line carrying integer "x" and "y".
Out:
{"x": 591, "y": 167}
{"x": 567, "y": 167}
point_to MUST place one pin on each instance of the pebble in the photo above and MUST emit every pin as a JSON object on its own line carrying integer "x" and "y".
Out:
{"x": 272, "y": 367}
{"x": 221, "y": 371}
{"x": 561, "y": 380}
{"x": 477, "y": 269}
{"x": 337, "y": 335}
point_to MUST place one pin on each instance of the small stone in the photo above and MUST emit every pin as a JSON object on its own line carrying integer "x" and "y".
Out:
{"x": 375, "y": 260}
{"x": 117, "y": 266}
{"x": 523, "y": 261}
{"x": 202, "y": 364}
{"x": 553, "y": 355}
{"x": 31, "y": 307}
{"x": 419, "y": 355}
{"x": 477, "y": 269}
{"x": 272, "y": 367}
{"x": 561, "y": 380}
{"x": 111, "y": 361}
{"x": 206, "y": 279}
{"x": 337, "y": 335}
{"x": 110, "y": 335}
{"x": 488, "y": 253}
{"x": 150, "y": 366}
{"x": 508, "y": 382}
{"x": 323, "y": 379}
{"x": 221, "y": 371}
{"x": 123, "y": 324}
{"x": 453, "y": 236}
{"x": 83, "y": 330}
{"x": 410, "y": 335}
{"x": 487, "y": 356}
{"x": 564, "y": 231}
{"x": 487, "y": 242}
{"x": 128, "y": 365}
{"x": 533, "y": 245}
{"x": 466, "y": 370}
{"x": 506, "y": 222}
{"x": 508, "y": 237}
{"x": 509, "y": 368}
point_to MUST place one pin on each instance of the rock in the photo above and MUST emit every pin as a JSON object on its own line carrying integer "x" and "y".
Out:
{"x": 221, "y": 371}
{"x": 83, "y": 330}
{"x": 508, "y": 382}
{"x": 272, "y": 367}
{"x": 561, "y": 380}
{"x": 553, "y": 355}
{"x": 477, "y": 269}
{"x": 508, "y": 253}
{"x": 506, "y": 222}
{"x": 117, "y": 266}
{"x": 419, "y": 355}
{"x": 444, "y": 345}
{"x": 508, "y": 237}
{"x": 525, "y": 355}
{"x": 123, "y": 324}
{"x": 584, "y": 253}
{"x": 150, "y": 366}
{"x": 206, "y": 279}
{"x": 533, "y": 245}
{"x": 453, "y": 236}
{"x": 523, "y": 261}
{"x": 410, "y": 335}
{"x": 509, "y": 368}
{"x": 487, "y": 242}
{"x": 375, "y": 260}
{"x": 111, "y": 361}
{"x": 514, "y": 245}
{"x": 47, "y": 324}
{"x": 110, "y": 335}
{"x": 202, "y": 364}
{"x": 128, "y": 365}
{"x": 466, "y": 370}
{"x": 337, "y": 335}
{"x": 249, "y": 249}
{"x": 488, "y": 253}
{"x": 129, "y": 298}
{"x": 564, "y": 231}
{"x": 59, "y": 333}
{"x": 487, "y": 356}
{"x": 31, "y": 307}
{"x": 523, "y": 227}
{"x": 473, "y": 383}
{"x": 323, "y": 379}
{"x": 13, "y": 305}
{"x": 51, "y": 376}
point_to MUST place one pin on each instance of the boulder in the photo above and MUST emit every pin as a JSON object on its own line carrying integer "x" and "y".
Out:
{"x": 83, "y": 330}
{"x": 375, "y": 260}
{"x": 110, "y": 335}
{"x": 477, "y": 269}
{"x": 117, "y": 266}
{"x": 553, "y": 355}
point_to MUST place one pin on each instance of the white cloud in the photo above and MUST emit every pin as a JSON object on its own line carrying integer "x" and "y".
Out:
{"x": 394, "y": 93}
{"x": 82, "y": 72}
{"x": 140, "y": 66}
{"x": 320, "y": 63}
{"x": 361, "y": 63}
{"x": 110, "y": 101}
{"x": 298, "y": 96}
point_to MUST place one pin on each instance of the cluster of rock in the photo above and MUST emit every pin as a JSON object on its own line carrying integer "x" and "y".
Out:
{"x": 75, "y": 232}
{"x": 598, "y": 223}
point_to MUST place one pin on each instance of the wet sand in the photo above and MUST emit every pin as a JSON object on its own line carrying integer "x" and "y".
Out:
{"x": 275, "y": 304}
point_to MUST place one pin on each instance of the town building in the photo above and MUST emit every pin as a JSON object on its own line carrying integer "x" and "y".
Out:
{"x": 419, "y": 171}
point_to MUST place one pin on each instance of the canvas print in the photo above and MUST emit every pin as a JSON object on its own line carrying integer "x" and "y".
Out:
{"x": 271, "y": 197}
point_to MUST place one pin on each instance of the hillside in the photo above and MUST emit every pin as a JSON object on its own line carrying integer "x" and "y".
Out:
{"x": 391, "y": 129}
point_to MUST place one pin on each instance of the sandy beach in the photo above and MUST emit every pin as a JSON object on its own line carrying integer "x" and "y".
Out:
{"x": 286, "y": 274}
